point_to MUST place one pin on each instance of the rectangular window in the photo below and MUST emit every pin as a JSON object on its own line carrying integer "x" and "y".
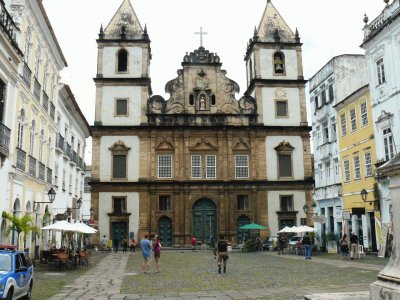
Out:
{"x": 165, "y": 166}
{"x": 364, "y": 114}
{"x": 328, "y": 169}
{"x": 343, "y": 125}
{"x": 286, "y": 203}
{"x": 121, "y": 107}
{"x": 285, "y": 165}
{"x": 196, "y": 166}
{"x": 357, "y": 169}
{"x": 119, "y": 205}
{"x": 333, "y": 132}
{"x": 119, "y": 166}
{"x": 281, "y": 108}
{"x": 346, "y": 165}
{"x": 325, "y": 132}
{"x": 323, "y": 97}
{"x": 380, "y": 71}
{"x": 368, "y": 164}
{"x": 303, "y": 221}
{"x": 243, "y": 202}
{"x": 241, "y": 166}
{"x": 331, "y": 94}
{"x": 388, "y": 143}
{"x": 164, "y": 203}
{"x": 211, "y": 166}
{"x": 353, "y": 120}
{"x": 316, "y": 103}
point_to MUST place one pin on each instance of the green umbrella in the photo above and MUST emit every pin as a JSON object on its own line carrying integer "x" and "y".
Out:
{"x": 253, "y": 226}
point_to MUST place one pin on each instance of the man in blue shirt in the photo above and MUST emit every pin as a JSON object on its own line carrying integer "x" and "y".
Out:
{"x": 146, "y": 251}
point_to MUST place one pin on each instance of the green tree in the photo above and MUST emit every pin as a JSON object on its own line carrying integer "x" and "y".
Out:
{"x": 20, "y": 225}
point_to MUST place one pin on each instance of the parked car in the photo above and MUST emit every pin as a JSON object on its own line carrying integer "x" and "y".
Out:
{"x": 269, "y": 243}
{"x": 16, "y": 275}
{"x": 294, "y": 240}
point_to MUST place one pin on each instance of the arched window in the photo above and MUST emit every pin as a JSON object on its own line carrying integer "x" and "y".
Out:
{"x": 213, "y": 101}
{"x": 191, "y": 99}
{"x": 122, "y": 60}
{"x": 41, "y": 145}
{"x": 21, "y": 129}
{"x": 279, "y": 63}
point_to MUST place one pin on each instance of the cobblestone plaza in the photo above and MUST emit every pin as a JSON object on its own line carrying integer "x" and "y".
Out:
{"x": 193, "y": 275}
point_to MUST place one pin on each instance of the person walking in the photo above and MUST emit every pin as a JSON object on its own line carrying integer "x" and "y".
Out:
{"x": 133, "y": 245}
{"x": 103, "y": 243}
{"x": 306, "y": 241}
{"x": 157, "y": 252}
{"x": 344, "y": 247}
{"x": 124, "y": 245}
{"x": 194, "y": 242}
{"x": 353, "y": 245}
{"x": 145, "y": 245}
{"x": 281, "y": 243}
{"x": 221, "y": 250}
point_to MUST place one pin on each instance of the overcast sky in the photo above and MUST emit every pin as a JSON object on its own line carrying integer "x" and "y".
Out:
{"x": 327, "y": 28}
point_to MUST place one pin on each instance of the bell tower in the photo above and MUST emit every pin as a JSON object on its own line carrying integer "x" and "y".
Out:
{"x": 274, "y": 70}
{"x": 123, "y": 82}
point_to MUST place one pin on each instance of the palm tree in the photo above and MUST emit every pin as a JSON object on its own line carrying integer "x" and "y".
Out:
{"x": 20, "y": 225}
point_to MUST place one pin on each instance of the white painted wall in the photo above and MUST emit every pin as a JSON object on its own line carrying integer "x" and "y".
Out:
{"x": 105, "y": 207}
{"x": 299, "y": 199}
{"x": 272, "y": 159}
{"x": 269, "y": 108}
{"x": 266, "y": 64}
{"x": 110, "y": 94}
{"x": 133, "y": 156}
{"x": 134, "y": 62}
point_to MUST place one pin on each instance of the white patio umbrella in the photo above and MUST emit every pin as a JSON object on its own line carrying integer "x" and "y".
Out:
{"x": 288, "y": 229}
{"x": 60, "y": 226}
{"x": 306, "y": 229}
{"x": 83, "y": 228}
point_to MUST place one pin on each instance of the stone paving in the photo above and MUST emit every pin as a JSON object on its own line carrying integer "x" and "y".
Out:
{"x": 118, "y": 272}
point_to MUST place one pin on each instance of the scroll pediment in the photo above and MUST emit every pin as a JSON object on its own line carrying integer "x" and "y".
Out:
{"x": 165, "y": 144}
{"x": 204, "y": 144}
{"x": 242, "y": 145}
{"x": 119, "y": 147}
{"x": 284, "y": 146}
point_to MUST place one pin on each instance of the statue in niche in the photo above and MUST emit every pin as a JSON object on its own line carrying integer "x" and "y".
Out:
{"x": 202, "y": 102}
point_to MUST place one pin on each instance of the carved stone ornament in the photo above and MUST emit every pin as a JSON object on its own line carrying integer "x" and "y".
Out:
{"x": 165, "y": 143}
{"x": 201, "y": 56}
{"x": 284, "y": 146}
{"x": 155, "y": 104}
{"x": 280, "y": 94}
{"x": 203, "y": 144}
{"x": 247, "y": 105}
{"x": 201, "y": 83}
{"x": 119, "y": 147}
{"x": 242, "y": 145}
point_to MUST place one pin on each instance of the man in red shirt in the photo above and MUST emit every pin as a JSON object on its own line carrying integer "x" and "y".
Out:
{"x": 194, "y": 243}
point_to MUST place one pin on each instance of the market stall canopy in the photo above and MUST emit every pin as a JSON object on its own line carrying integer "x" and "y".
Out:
{"x": 83, "y": 228}
{"x": 252, "y": 226}
{"x": 60, "y": 226}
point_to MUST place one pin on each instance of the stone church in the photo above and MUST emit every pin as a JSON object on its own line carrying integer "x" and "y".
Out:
{"x": 204, "y": 161}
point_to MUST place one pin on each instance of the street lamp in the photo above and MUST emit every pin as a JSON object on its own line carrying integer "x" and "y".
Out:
{"x": 68, "y": 212}
{"x": 364, "y": 194}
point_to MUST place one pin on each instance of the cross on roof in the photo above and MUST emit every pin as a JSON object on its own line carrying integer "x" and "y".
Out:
{"x": 201, "y": 33}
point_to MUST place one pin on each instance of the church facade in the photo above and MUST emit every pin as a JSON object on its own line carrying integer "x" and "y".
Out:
{"x": 203, "y": 162}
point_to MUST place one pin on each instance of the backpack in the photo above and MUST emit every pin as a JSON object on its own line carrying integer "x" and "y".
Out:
{"x": 222, "y": 246}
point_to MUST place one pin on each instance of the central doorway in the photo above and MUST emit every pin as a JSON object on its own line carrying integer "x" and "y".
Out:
{"x": 204, "y": 219}
{"x": 119, "y": 230}
{"x": 165, "y": 231}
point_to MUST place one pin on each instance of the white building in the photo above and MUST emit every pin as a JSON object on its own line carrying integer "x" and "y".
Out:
{"x": 69, "y": 169}
{"x": 382, "y": 47}
{"x": 330, "y": 85}
{"x": 86, "y": 209}
{"x": 10, "y": 58}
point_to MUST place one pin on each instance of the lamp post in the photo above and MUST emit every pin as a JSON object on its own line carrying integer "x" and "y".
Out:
{"x": 52, "y": 196}
{"x": 364, "y": 195}
{"x": 68, "y": 212}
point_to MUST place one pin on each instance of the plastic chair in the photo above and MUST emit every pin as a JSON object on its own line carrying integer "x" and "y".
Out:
{"x": 361, "y": 251}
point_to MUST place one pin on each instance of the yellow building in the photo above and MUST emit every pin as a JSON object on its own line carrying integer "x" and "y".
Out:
{"x": 358, "y": 158}
{"x": 34, "y": 130}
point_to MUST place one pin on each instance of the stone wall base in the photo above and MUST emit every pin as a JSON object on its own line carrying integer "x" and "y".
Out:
{"x": 385, "y": 290}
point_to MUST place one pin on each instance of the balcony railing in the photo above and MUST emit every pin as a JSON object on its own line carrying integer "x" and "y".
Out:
{"x": 60, "y": 142}
{"x": 8, "y": 24}
{"x": 79, "y": 163}
{"x": 27, "y": 75}
{"x": 4, "y": 139}
{"x": 52, "y": 110}
{"x": 37, "y": 88}
{"x": 45, "y": 101}
{"x": 32, "y": 165}
{"x": 21, "y": 159}
{"x": 67, "y": 148}
{"x": 42, "y": 169}
{"x": 49, "y": 175}
{"x": 73, "y": 158}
